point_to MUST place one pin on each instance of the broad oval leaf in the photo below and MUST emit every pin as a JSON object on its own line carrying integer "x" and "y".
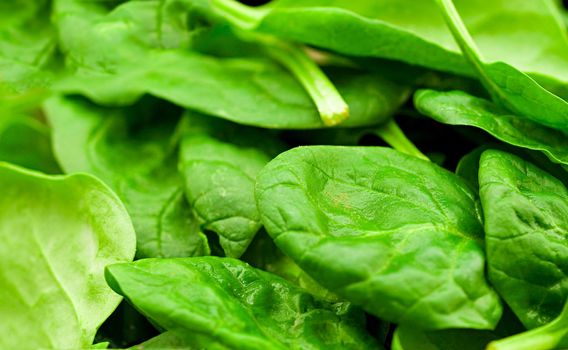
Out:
{"x": 58, "y": 233}
{"x": 460, "y": 108}
{"x": 237, "y": 305}
{"x": 248, "y": 90}
{"x": 219, "y": 161}
{"x": 130, "y": 149}
{"x": 397, "y": 235}
{"x": 523, "y": 33}
{"x": 525, "y": 212}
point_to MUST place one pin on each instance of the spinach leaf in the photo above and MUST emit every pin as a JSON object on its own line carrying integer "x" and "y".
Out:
{"x": 24, "y": 136}
{"x": 409, "y": 338}
{"x": 525, "y": 34}
{"x": 392, "y": 233}
{"x": 507, "y": 86}
{"x": 249, "y": 90}
{"x": 57, "y": 233}
{"x": 264, "y": 254}
{"x": 180, "y": 340}
{"x": 468, "y": 167}
{"x": 27, "y": 44}
{"x": 553, "y": 335}
{"x": 237, "y": 305}
{"x": 525, "y": 212}
{"x": 25, "y": 141}
{"x": 459, "y": 108}
{"x": 219, "y": 162}
{"x": 135, "y": 156}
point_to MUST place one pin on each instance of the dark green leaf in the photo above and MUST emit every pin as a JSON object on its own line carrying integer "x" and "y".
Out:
{"x": 264, "y": 254}
{"x": 553, "y": 335}
{"x": 248, "y": 91}
{"x": 459, "y": 108}
{"x": 134, "y": 155}
{"x": 253, "y": 91}
{"x": 508, "y": 86}
{"x": 397, "y": 235}
{"x": 237, "y": 305}
{"x": 525, "y": 34}
{"x": 219, "y": 162}
{"x": 525, "y": 212}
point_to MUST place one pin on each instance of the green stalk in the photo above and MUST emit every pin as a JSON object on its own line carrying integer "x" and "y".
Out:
{"x": 468, "y": 46}
{"x": 239, "y": 15}
{"x": 547, "y": 337}
{"x": 329, "y": 102}
{"x": 331, "y": 106}
{"x": 393, "y": 135}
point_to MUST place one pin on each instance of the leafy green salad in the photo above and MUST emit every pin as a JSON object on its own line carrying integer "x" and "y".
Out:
{"x": 303, "y": 174}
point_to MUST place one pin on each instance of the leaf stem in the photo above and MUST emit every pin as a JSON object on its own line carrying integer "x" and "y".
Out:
{"x": 546, "y": 337}
{"x": 468, "y": 47}
{"x": 239, "y": 15}
{"x": 330, "y": 104}
{"x": 393, "y": 135}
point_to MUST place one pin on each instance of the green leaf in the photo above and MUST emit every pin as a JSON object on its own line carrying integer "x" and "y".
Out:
{"x": 124, "y": 327}
{"x": 25, "y": 141}
{"x": 130, "y": 149}
{"x": 180, "y": 340}
{"x": 507, "y": 86}
{"x": 468, "y": 167}
{"x": 264, "y": 254}
{"x": 395, "y": 234}
{"x": 253, "y": 91}
{"x": 553, "y": 335}
{"x": 411, "y": 338}
{"x": 219, "y": 162}
{"x": 237, "y": 305}
{"x": 459, "y": 108}
{"x": 58, "y": 233}
{"x": 407, "y": 338}
{"x": 24, "y": 136}
{"x": 524, "y": 34}
{"x": 27, "y": 44}
{"x": 249, "y": 91}
{"x": 525, "y": 212}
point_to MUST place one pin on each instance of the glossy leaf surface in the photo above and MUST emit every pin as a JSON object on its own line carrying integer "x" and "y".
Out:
{"x": 525, "y": 212}
{"x": 248, "y": 90}
{"x": 239, "y": 306}
{"x": 392, "y": 233}
{"x": 459, "y": 108}
{"x": 219, "y": 162}
{"x": 507, "y": 86}
{"x": 523, "y": 34}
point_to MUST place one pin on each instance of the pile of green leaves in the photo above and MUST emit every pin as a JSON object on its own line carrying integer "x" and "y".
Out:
{"x": 307, "y": 174}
